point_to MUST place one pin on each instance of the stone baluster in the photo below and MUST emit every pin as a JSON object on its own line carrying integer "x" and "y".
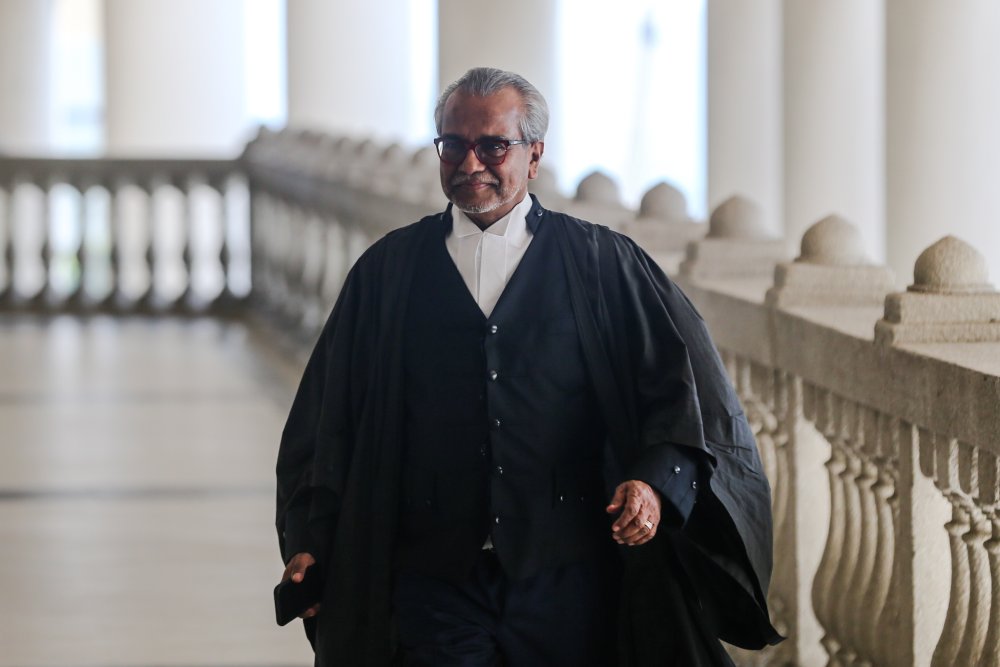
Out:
{"x": 991, "y": 647}
{"x": 235, "y": 255}
{"x": 313, "y": 270}
{"x": 880, "y": 604}
{"x": 294, "y": 259}
{"x": 771, "y": 405}
{"x": 131, "y": 245}
{"x": 28, "y": 243}
{"x": 946, "y": 651}
{"x": 262, "y": 223}
{"x": 856, "y": 605}
{"x": 335, "y": 265}
{"x": 99, "y": 278}
{"x": 205, "y": 249}
{"x": 73, "y": 260}
{"x": 981, "y": 506}
{"x": 840, "y": 621}
{"x": 819, "y": 408}
{"x": 272, "y": 231}
{"x": 173, "y": 219}
{"x": 964, "y": 634}
{"x": 737, "y": 245}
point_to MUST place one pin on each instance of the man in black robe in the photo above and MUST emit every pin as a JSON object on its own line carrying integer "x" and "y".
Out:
{"x": 536, "y": 459}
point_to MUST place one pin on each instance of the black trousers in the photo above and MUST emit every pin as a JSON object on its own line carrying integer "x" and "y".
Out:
{"x": 561, "y": 617}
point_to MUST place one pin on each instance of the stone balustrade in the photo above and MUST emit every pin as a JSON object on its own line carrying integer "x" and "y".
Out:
{"x": 123, "y": 235}
{"x": 876, "y": 409}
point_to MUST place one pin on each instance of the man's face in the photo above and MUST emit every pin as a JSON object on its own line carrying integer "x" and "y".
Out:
{"x": 486, "y": 193}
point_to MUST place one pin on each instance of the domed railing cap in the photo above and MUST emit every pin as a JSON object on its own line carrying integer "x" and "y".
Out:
{"x": 737, "y": 217}
{"x": 833, "y": 241}
{"x": 368, "y": 149}
{"x": 598, "y": 188}
{"x": 424, "y": 157}
{"x": 665, "y": 201}
{"x": 394, "y": 153}
{"x": 951, "y": 266}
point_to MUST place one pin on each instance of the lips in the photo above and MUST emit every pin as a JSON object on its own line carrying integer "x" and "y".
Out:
{"x": 475, "y": 185}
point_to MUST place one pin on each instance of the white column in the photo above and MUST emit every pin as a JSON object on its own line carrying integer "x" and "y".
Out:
{"x": 744, "y": 104}
{"x": 360, "y": 67}
{"x": 175, "y": 77}
{"x": 943, "y": 133}
{"x": 518, "y": 36}
{"x": 24, "y": 76}
{"x": 833, "y": 116}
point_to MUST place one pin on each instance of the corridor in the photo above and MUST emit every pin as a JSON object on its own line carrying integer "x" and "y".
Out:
{"x": 136, "y": 494}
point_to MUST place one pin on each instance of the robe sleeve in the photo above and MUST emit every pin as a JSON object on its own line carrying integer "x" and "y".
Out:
{"x": 675, "y": 472}
{"x": 317, "y": 440}
{"x": 678, "y": 375}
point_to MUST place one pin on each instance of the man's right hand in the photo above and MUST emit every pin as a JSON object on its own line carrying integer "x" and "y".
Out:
{"x": 296, "y": 571}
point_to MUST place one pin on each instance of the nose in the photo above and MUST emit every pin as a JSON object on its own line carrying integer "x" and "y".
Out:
{"x": 470, "y": 164}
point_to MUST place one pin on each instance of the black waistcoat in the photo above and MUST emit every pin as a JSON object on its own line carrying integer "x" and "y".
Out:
{"x": 503, "y": 435}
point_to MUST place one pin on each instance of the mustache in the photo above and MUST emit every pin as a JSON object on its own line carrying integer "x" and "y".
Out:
{"x": 468, "y": 180}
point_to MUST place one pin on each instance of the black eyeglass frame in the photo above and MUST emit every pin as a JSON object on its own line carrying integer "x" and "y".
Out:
{"x": 476, "y": 147}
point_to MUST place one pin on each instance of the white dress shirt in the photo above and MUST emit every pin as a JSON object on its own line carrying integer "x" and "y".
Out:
{"x": 487, "y": 259}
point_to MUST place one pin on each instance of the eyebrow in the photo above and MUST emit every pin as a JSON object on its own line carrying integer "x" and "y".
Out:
{"x": 485, "y": 137}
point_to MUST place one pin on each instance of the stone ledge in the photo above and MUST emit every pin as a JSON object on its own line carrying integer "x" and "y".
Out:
{"x": 891, "y": 333}
{"x": 721, "y": 258}
{"x": 920, "y": 317}
{"x": 801, "y": 284}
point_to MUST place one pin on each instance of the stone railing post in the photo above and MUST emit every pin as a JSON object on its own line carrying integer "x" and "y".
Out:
{"x": 598, "y": 200}
{"x": 952, "y": 302}
{"x": 851, "y": 587}
{"x": 663, "y": 227}
{"x": 737, "y": 245}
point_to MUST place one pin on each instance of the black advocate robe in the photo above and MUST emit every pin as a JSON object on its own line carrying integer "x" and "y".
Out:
{"x": 658, "y": 379}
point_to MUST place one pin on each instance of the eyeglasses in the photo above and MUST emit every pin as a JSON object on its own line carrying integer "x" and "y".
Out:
{"x": 491, "y": 150}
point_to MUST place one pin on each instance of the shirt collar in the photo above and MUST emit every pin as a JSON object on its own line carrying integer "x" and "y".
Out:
{"x": 512, "y": 226}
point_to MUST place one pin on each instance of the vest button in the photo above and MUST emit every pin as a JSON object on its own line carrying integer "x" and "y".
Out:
{"x": 562, "y": 499}
{"x": 494, "y": 328}
{"x": 496, "y": 424}
{"x": 482, "y": 450}
{"x": 677, "y": 469}
{"x": 494, "y": 375}
{"x": 694, "y": 485}
{"x": 496, "y": 519}
{"x": 500, "y": 470}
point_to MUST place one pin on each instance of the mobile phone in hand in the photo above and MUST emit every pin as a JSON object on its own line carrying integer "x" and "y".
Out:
{"x": 292, "y": 599}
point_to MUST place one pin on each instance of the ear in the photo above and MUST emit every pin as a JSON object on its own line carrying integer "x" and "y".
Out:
{"x": 536, "y": 149}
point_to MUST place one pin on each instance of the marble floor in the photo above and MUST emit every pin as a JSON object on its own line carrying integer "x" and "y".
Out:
{"x": 136, "y": 494}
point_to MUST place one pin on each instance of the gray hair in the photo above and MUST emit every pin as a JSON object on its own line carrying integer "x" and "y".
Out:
{"x": 485, "y": 81}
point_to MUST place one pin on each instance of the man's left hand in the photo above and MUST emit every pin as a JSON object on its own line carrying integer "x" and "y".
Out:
{"x": 639, "y": 505}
